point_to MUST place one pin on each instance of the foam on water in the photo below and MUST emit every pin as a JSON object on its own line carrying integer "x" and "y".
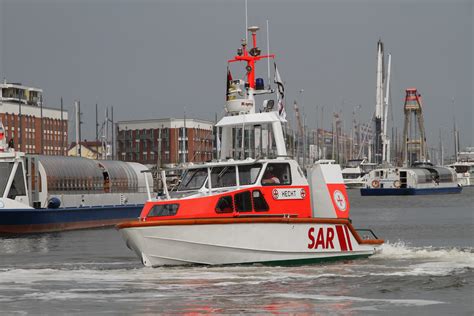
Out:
{"x": 401, "y": 250}
{"x": 320, "y": 297}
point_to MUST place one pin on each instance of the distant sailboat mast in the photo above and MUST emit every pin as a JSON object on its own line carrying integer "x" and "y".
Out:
{"x": 385, "y": 139}
{"x": 379, "y": 103}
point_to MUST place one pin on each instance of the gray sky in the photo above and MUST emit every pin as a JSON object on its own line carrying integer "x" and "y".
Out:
{"x": 151, "y": 58}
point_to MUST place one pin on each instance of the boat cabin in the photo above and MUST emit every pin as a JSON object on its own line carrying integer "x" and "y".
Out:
{"x": 235, "y": 188}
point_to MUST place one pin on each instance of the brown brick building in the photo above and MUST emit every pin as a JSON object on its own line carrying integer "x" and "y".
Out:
{"x": 34, "y": 129}
{"x": 161, "y": 141}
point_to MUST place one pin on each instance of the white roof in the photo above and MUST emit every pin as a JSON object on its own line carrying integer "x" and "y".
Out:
{"x": 254, "y": 118}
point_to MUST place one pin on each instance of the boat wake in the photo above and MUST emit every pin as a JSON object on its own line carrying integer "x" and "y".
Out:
{"x": 419, "y": 261}
{"x": 400, "y": 250}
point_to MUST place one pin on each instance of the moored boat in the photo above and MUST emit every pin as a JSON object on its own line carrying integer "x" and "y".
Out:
{"x": 464, "y": 167}
{"x": 250, "y": 210}
{"x": 51, "y": 193}
{"x": 355, "y": 171}
{"x": 421, "y": 179}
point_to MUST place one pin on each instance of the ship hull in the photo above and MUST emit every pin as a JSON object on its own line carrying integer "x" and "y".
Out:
{"x": 221, "y": 242}
{"x": 408, "y": 191}
{"x": 24, "y": 221}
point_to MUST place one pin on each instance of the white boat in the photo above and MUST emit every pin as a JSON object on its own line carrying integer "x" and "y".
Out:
{"x": 422, "y": 178}
{"x": 250, "y": 210}
{"x": 54, "y": 193}
{"x": 464, "y": 167}
{"x": 355, "y": 171}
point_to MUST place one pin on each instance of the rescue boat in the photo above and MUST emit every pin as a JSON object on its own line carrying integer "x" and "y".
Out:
{"x": 255, "y": 204}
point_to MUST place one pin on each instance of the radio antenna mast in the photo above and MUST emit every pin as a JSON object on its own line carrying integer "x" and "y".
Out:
{"x": 246, "y": 24}
{"x": 268, "y": 53}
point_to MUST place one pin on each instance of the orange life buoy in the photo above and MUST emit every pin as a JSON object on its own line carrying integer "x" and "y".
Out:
{"x": 375, "y": 183}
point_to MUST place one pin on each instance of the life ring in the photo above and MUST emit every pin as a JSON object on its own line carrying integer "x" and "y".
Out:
{"x": 397, "y": 183}
{"x": 375, "y": 183}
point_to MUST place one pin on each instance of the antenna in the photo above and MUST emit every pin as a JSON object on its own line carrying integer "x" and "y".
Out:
{"x": 246, "y": 23}
{"x": 268, "y": 53}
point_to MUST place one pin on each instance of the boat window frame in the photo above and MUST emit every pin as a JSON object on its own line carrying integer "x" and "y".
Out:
{"x": 226, "y": 170}
{"x": 8, "y": 167}
{"x": 217, "y": 208}
{"x": 177, "y": 205}
{"x": 196, "y": 170}
{"x": 236, "y": 205}
{"x": 288, "y": 166}
{"x": 262, "y": 197}
{"x": 250, "y": 176}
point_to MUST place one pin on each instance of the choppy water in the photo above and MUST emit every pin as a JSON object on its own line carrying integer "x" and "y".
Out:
{"x": 425, "y": 267}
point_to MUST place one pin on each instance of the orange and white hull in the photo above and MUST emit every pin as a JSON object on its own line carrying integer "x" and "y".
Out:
{"x": 245, "y": 240}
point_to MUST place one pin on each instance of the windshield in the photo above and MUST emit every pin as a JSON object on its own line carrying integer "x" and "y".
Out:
{"x": 5, "y": 170}
{"x": 248, "y": 174}
{"x": 223, "y": 177}
{"x": 193, "y": 179}
{"x": 354, "y": 163}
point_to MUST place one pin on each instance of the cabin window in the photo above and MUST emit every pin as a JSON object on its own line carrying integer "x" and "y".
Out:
{"x": 277, "y": 174}
{"x": 248, "y": 174}
{"x": 223, "y": 177}
{"x": 5, "y": 170}
{"x": 243, "y": 203}
{"x": 193, "y": 179}
{"x": 225, "y": 205}
{"x": 259, "y": 203}
{"x": 461, "y": 169}
{"x": 18, "y": 184}
{"x": 163, "y": 210}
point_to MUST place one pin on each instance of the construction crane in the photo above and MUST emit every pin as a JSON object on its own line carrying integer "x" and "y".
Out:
{"x": 414, "y": 136}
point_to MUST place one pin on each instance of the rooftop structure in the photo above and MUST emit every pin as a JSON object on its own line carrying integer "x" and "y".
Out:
{"x": 29, "y": 125}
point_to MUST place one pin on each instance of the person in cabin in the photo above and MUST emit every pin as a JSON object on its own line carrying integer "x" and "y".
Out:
{"x": 11, "y": 144}
{"x": 269, "y": 177}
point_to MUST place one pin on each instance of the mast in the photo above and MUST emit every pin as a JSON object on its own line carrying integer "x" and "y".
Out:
{"x": 385, "y": 138}
{"x": 379, "y": 106}
{"x": 268, "y": 53}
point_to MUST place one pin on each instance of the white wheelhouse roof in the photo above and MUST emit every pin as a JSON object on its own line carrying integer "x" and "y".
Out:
{"x": 251, "y": 119}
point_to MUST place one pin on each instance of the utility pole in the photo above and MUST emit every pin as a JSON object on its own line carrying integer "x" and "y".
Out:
{"x": 41, "y": 122}
{"x": 113, "y": 131}
{"x": 97, "y": 129}
{"x": 62, "y": 127}
{"x": 77, "y": 105}
{"x": 20, "y": 131}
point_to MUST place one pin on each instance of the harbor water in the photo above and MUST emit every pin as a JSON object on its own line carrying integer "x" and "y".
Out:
{"x": 425, "y": 267}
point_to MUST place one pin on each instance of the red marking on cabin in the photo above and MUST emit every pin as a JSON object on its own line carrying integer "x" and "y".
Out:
{"x": 341, "y": 237}
{"x": 332, "y": 188}
{"x": 348, "y": 237}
